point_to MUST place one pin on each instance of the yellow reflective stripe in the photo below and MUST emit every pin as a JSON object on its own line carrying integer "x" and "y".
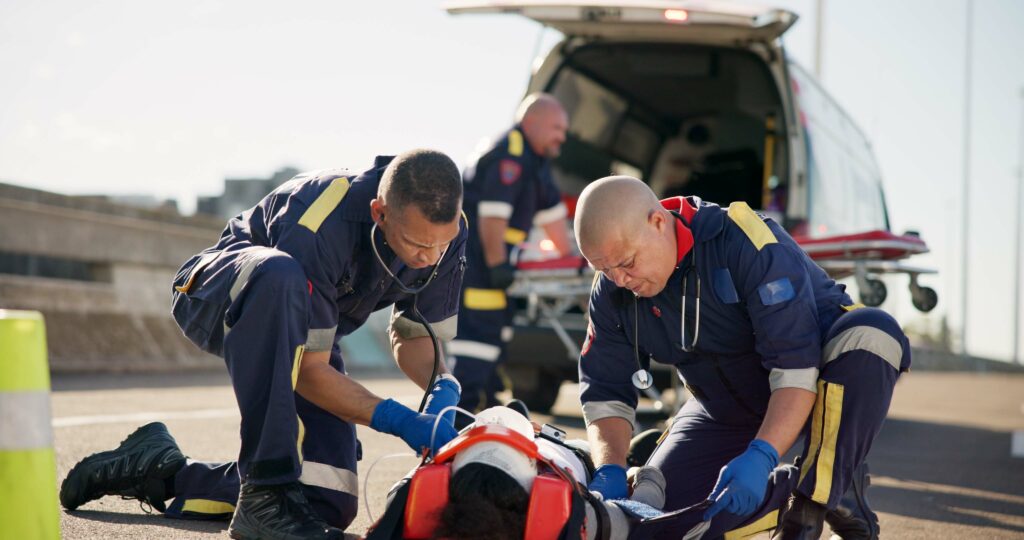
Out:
{"x": 29, "y": 494}
{"x": 515, "y": 143}
{"x": 206, "y": 506}
{"x": 816, "y": 421}
{"x": 514, "y": 236}
{"x": 317, "y": 212}
{"x": 465, "y": 219}
{"x": 853, "y": 307}
{"x": 485, "y": 299}
{"x": 752, "y": 224}
{"x": 767, "y": 522}
{"x": 23, "y": 363}
{"x": 827, "y": 458}
{"x": 302, "y": 437}
{"x": 299, "y": 351}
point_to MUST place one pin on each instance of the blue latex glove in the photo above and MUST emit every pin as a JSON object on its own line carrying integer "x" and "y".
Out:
{"x": 742, "y": 482}
{"x": 445, "y": 393}
{"x": 610, "y": 481}
{"x": 414, "y": 428}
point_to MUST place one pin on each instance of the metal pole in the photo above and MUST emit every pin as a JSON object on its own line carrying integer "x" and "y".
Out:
{"x": 1016, "y": 241}
{"x": 965, "y": 197}
{"x": 818, "y": 19}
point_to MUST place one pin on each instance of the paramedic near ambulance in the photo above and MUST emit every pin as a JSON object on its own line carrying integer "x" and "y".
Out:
{"x": 304, "y": 267}
{"x": 769, "y": 347}
{"x": 508, "y": 190}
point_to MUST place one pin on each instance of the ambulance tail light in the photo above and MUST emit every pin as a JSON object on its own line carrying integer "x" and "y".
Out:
{"x": 676, "y": 15}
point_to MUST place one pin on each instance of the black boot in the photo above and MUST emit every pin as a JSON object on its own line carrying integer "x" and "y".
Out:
{"x": 138, "y": 468}
{"x": 278, "y": 512}
{"x": 803, "y": 520}
{"x": 641, "y": 447}
{"x": 853, "y": 519}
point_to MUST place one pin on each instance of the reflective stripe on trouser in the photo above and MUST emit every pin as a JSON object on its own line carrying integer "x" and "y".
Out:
{"x": 475, "y": 353}
{"x": 330, "y": 451}
{"x": 28, "y": 469}
{"x": 865, "y": 350}
{"x": 691, "y": 456}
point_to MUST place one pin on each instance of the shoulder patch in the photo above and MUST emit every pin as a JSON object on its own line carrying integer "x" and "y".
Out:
{"x": 515, "y": 143}
{"x": 751, "y": 224}
{"x": 509, "y": 170}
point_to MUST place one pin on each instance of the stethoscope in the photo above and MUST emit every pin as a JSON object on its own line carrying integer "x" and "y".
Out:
{"x": 642, "y": 378}
{"x": 415, "y": 292}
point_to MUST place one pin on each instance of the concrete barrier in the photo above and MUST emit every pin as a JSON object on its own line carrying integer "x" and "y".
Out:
{"x": 28, "y": 468}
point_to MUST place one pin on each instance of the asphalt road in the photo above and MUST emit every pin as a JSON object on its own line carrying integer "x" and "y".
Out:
{"x": 942, "y": 466}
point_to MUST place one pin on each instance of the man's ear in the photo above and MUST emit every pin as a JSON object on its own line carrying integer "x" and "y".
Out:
{"x": 377, "y": 210}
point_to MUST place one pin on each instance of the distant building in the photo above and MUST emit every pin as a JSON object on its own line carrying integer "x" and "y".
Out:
{"x": 242, "y": 193}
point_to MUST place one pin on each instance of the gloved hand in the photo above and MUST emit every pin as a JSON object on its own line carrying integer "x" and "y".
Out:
{"x": 501, "y": 276}
{"x": 610, "y": 481}
{"x": 445, "y": 393}
{"x": 742, "y": 482}
{"x": 414, "y": 428}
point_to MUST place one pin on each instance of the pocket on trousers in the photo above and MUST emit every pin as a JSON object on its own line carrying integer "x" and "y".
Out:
{"x": 200, "y": 321}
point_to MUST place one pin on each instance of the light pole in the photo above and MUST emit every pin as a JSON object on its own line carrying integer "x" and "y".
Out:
{"x": 965, "y": 198}
{"x": 1016, "y": 243}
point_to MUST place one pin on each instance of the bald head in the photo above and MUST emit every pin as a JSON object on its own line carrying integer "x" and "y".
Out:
{"x": 544, "y": 123}
{"x": 613, "y": 208}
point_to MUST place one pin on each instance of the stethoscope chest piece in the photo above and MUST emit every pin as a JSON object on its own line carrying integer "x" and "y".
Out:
{"x": 642, "y": 379}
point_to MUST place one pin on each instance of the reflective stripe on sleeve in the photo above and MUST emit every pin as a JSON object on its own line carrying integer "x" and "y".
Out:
{"x": 25, "y": 420}
{"x": 495, "y": 209}
{"x": 407, "y": 328}
{"x": 555, "y": 213}
{"x": 328, "y": 477}
{"x": 865, "y": 338}
{"x": 474, "y": 349}
{"x": 243, "y": 276}
{"x": 320, "y": 339}
{"x": 317, "y": 212}
{"x": 805, "y": 378}
{"x": 514, "y": 236}
{"x": 596, "y": 410}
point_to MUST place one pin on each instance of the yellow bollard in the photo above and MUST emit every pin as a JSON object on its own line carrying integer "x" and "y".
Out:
{"x": 28, "y": 469}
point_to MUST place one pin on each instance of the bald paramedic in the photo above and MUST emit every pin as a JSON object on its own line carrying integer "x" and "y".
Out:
{"x": 768, "y": 345}
{"x": 509, "y": 189}
{"x": 290, "y": 277}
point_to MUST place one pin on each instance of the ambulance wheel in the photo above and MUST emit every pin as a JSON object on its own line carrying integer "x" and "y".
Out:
{"x": 535, "y": 386}
{"x": 925, "y": 300}
{"x": 874, "y": 294}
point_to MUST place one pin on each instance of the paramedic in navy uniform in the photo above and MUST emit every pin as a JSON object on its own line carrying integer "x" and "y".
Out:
{"x": 769, "y": 347}
{"x": 288, "y": 278}
{"x": 509, "y": 189}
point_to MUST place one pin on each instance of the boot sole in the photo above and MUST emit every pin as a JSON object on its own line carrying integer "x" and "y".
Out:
{"x": 75, "y": 486}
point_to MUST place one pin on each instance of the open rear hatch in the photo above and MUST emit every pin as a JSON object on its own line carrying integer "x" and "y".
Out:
{"x": 705, "y": 21}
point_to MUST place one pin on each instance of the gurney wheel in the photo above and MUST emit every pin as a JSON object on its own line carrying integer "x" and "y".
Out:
{"x": 925, "y": 299}
{"x": 874, "y": 294}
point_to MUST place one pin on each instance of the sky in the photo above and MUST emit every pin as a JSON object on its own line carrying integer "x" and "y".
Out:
{"x": 129, "y": 97}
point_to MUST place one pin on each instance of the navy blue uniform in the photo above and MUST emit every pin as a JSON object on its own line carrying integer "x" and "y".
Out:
{"x": 510, "y": 182}
{"x": 769, "y": 318}
{"x": 291, "y": 275}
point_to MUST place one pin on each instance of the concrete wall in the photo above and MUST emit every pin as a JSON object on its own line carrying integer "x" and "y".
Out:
{"x": 121, "y": 321}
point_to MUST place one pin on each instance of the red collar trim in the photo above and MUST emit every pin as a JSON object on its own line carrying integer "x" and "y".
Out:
{"x": 684, "y": 236}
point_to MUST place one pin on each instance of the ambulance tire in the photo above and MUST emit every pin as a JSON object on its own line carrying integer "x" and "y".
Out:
{"x": 535, "y": 386}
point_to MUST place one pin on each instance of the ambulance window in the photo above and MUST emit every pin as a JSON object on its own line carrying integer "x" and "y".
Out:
{"x": 594, "y": 111}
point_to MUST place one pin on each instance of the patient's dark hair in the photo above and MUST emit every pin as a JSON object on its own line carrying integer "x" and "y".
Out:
{"x": 484, "y": 503}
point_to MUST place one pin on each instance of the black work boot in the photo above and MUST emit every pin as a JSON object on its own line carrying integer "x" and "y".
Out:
{"x": 804, "y": 519}
{"x": 138, "y": 469}
{"x": 278, "y": 512}
{"x": 642, "y": 446}
{"x": 853, "y": 519}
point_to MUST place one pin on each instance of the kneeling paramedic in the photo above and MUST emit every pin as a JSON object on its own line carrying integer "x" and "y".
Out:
{"x": 766, "y": 343}
{"x": 288, "y": 278}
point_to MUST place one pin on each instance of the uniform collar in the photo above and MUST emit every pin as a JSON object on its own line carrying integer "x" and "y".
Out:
{"x": 684, "y": 236}
{"x": 362, "y": 189}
